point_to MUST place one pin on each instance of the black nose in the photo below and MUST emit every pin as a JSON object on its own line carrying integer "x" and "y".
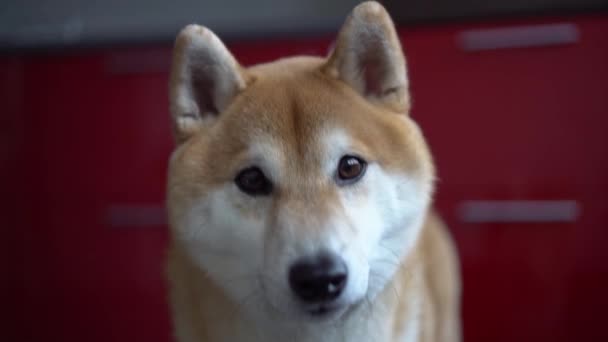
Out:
{"x": 318, "y": 279}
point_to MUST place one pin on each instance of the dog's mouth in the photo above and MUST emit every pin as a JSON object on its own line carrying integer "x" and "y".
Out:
{"x": 329, "y": 311}
{"x": 322, "y": 310}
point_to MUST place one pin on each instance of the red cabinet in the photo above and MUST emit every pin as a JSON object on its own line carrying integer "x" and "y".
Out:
{"x": 87, "y": 139}
{"x": 522, "y": 124}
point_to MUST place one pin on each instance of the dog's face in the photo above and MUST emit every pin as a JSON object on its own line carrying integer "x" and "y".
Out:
{"x": 297, "y": 186}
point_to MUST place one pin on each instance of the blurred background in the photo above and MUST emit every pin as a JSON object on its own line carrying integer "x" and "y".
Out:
{"x": 512, "y": 96}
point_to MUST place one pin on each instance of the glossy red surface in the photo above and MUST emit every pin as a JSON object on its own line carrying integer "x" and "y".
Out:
{"x": 83, "y": 134}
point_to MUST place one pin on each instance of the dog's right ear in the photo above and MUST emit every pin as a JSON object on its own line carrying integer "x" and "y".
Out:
{"x": 205, "y": 77}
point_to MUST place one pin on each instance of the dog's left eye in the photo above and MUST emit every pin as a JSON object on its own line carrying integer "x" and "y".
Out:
{"x": 253, "y": 182}
{"x": 351, "y": 169}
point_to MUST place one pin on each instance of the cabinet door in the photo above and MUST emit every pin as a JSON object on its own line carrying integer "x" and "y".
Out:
{"x": 94, "y": 143}
{"x": 11, "y": 203}
{"x": 520, "y": 124}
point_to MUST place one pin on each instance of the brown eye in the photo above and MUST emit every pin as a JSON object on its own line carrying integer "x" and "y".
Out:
{"x": 350, "y": 169}
{"x": 253, "y": 182}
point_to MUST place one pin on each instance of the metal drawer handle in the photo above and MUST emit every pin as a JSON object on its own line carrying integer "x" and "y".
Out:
{"x": 518, "y": 37}
{"x": 519, "y": 211}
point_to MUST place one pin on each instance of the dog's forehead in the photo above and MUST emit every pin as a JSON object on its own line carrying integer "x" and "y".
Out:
{"x": 298, "y": 110}
{"x": 296, "y": 116}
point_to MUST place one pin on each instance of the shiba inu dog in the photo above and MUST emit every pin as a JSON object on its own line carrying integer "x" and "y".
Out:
{"x": 299, "y": 196}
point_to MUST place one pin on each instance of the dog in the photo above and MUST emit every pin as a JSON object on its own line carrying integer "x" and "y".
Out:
{"x": 299, "y": 196}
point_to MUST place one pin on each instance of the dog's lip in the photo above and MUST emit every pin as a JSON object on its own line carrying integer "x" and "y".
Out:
{"x": 331, "y": 310}
{"x": 327, "y": 311}
{"x": 322, "y": 310}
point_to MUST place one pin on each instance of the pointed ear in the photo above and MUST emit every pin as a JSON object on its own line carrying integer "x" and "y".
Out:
{"x": 205, "y": 77}
{"x": 368, "y": 57}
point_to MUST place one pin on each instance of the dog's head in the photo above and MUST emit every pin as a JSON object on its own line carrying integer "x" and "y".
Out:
{"x": 298, "y": 186}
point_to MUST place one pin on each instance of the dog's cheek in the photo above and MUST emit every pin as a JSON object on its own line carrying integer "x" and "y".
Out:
{"x": 367, "y": 206}
{"x": 226, "y": 239}
{"x": 238, "y": 225}
{"x": 362, "y": 232}
{"x": 400, "y": 205}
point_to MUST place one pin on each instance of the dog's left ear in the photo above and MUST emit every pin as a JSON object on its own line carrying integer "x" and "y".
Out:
{"x": 368, "y": 57}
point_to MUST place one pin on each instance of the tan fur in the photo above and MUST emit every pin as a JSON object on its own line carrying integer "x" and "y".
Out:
{"x": 289, "y": 103}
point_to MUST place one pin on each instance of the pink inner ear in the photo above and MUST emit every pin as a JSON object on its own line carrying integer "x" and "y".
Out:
{"x": 372, "y": 75}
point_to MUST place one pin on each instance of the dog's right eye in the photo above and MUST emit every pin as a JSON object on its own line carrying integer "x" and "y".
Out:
{"x": 350, "y": 169}
{"x": 253, "y": 182}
